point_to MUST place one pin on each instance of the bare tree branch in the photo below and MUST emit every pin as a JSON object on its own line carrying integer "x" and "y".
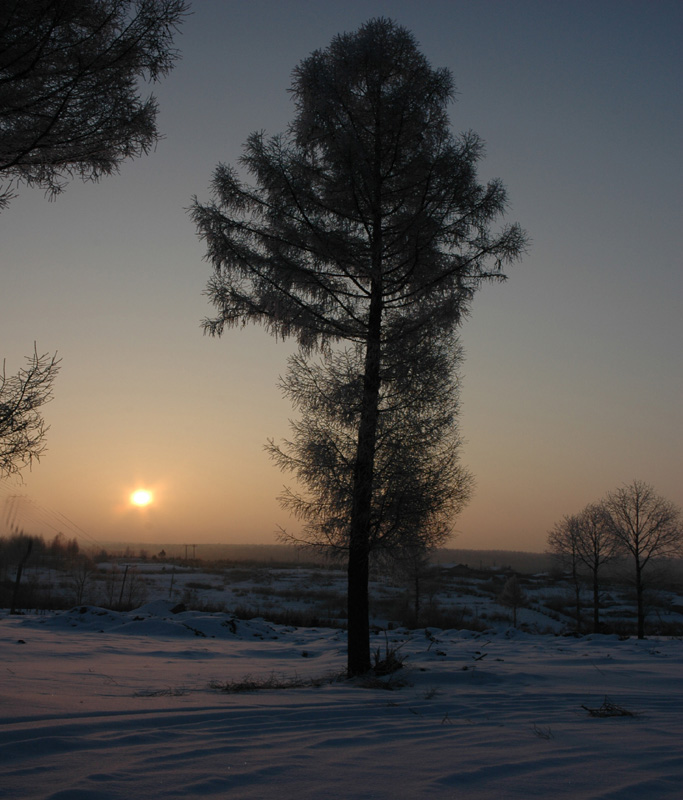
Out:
{"x": 22, "y": 396}
{"x": 69, "y": 86}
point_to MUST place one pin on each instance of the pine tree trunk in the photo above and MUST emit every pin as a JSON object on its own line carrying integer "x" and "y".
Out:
{"x": 358, "y": 608}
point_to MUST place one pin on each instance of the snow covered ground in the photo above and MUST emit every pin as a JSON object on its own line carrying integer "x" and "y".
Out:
{"x": 104, "y": 705}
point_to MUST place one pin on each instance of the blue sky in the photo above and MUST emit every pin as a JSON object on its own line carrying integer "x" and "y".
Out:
{"x": 573, "y": 379}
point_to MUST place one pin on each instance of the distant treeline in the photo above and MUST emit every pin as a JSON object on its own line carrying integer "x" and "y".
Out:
{"x": 519, "y": 561}
{"x": 45, "y": 553}
{"x": 60, "y": 550}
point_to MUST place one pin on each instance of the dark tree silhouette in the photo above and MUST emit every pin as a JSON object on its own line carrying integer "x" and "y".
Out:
{"x": 69, "y": 86}
{"x": 418, "y": 487}
{"x": 595, "y": 548}
{"x": 412, "y": 564}
{"x": 366, "y": 224}
{"x": 583, "y": 540}
{"x": 563, "y": 543}
{"x": 22, "y": 428}
{"x": 28, "y": 540}
{"x": 81, "y": 571}
{"x": 646, "y": 526}
{"x": 513, "y": 596}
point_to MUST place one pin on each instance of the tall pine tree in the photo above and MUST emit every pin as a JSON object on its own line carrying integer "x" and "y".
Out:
{"x": 364, "y": 223}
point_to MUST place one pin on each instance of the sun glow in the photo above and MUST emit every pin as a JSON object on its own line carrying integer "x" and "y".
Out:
{"x": 141, "y": 498}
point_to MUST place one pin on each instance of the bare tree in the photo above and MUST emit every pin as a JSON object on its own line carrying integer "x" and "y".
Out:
{"x": 513, "y": 596}
{"x": 366, "y": 225}
{"x": 69, "y": 86}
{"x": 647, "y": 527}
{"x": 595, "y": 548}
{"x": 412, "y": 564}
{"x": 81, "y": 571}
{"x": 583, "y": 541}
{"x": 22, "y": 428}
{"x": 563, "y": 543}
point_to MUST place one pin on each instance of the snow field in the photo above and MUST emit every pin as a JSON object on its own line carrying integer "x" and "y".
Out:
{"x": 110, "y": 705}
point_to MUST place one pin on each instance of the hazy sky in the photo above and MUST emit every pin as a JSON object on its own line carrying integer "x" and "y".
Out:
{"x": 573, "y": 379}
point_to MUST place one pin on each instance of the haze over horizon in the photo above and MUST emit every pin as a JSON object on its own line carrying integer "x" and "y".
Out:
{"x": 573, "y": 378}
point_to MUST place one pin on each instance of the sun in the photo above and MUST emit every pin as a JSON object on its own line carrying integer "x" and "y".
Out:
{"x": 141, "y": 498}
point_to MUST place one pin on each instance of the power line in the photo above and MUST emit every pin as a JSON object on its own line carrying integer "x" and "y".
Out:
{"x": 22, "y": 508}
